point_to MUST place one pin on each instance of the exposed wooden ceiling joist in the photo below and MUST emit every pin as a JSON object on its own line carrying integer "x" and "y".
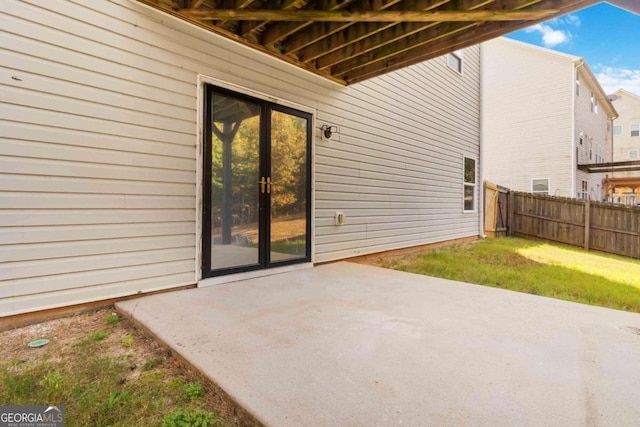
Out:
{"x": 335, "y": 52}
{"x": 348, "y": 41}
{"x": 366, "y": 16}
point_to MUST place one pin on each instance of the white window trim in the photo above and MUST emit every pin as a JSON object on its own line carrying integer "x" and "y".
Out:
{"x": 460, "y": 57}
{"x": 548, "y": 193}
{"x": 632, "y": 130}
{"x": 475, "y": 184}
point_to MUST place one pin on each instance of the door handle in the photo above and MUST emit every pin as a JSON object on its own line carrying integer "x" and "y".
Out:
{"x": 269, "y": 185}
{"x": 262, "y": 183}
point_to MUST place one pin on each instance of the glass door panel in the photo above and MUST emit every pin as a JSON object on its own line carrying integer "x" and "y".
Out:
{"x": 235, "y": 172}
{"x": 257, "y": 184}
{"x": 289, "y": 207}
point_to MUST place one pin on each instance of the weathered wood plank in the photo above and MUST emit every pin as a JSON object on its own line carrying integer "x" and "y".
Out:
{"x": 281, "y": 30}
{"x": 395, "y": 32}
{"x": 368, "y": 16}
{"x": 582, "y": 223}
{"x": 332, "y": 44}
{"x": 476, "y": 33}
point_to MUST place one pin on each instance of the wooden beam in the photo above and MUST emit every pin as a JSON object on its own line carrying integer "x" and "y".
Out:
{"x": 249, "y": 27}
{"x": 281, "y": 30}
{"x": 221, "y": 31}
{"x": 237, "y": 4}
{"x": 194, "y": 4}
{"x": 460, "y": 40}
{"x": 393, "y": 34}
{"x": 429, "y": 36}
{"x": 441, "y": 31}
{"x": 355, "y": 34}
{"x": 351, "y": 36}
{"x": 321, "y": 30}
{"x": 369, "y": 16}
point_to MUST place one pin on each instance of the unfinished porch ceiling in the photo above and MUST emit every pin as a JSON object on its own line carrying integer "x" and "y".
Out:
{"x": 349, "y": 41}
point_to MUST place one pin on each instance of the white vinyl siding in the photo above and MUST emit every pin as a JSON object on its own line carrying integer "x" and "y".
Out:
{"x": 527, "y": 116}
{"x": 627, "y": 105}
{"x": 98, "y": 136}
{"x": 597, "y": 133}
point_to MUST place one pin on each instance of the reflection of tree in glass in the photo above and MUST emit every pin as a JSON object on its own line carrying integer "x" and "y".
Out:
{"x": 245, "y": 173}
{"x": 288, "y": 151}
{"x": 288, "y": 154}
{"x": 469, "y": 170}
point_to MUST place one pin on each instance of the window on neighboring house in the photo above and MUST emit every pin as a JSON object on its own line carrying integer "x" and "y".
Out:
{"x": 581, "y": 138}
{"x": 577, "y": 87}
{"x": 469, "y": 199}
{"x": 540, "y": 186}
{"x": 594, "y": 103}
{"x": 633, "y": 154}
{"x": 454, "y": 60}
{"x": 635, "y": 130}
{"x": 584, "y": 194}
{"x": 617, "y": 130}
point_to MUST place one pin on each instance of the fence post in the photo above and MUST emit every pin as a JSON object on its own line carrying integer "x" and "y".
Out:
{"x": 587, "y": 224}
{"x": 510, "y": 213}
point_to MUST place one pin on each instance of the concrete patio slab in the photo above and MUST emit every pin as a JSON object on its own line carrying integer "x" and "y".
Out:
{"x": 352, "y": 345}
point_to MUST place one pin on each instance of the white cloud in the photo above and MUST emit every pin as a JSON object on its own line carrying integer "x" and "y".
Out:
{"x": 550, "y": 37}
{"x": 612, "y": 79}
{"x": 571, "y": 20}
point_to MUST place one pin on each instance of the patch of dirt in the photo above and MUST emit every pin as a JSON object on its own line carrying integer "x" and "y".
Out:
{"x": 633, "y": 329}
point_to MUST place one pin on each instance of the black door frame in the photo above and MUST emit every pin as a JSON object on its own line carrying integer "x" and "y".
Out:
{"x": 264, "y": 223}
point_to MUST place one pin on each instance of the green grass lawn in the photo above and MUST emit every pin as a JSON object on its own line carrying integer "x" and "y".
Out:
{"x": 534, "y": 267}
{"x": 104, "y": 373}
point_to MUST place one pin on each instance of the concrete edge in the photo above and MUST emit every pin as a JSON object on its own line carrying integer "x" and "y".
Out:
{"x": 247, "y": 418}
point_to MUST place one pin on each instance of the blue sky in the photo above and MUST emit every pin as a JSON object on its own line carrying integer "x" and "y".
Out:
{"x": 606, "y": 36}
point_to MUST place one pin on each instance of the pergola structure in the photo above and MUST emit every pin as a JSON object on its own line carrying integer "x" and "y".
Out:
{"x": 610, "y": 167}
{"x": 349, "y": 41}
{"x": 626, "y": 189}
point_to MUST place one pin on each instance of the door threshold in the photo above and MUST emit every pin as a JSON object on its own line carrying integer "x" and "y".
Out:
{"x": 212, "y": 281}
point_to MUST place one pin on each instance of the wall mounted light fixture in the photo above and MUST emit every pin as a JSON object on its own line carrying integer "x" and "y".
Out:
{"x": 327, "y": 131}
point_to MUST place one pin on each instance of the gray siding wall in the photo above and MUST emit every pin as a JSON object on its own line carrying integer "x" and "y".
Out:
{"x": 99, "y": 143}
{"x": 527, "y": 116}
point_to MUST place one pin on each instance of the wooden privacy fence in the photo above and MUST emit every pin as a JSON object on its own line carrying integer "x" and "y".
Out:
{"x": 592, "y": 225}
{"x": 496, "y": 212}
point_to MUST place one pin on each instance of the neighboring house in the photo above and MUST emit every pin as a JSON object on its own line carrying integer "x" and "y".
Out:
{"x": 624, "y": 187}
{"x": 141, "y": 153}
{"x": 543, "y": 114}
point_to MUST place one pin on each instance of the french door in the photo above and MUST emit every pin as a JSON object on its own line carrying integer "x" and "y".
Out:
{"x": 257, "y": 184}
